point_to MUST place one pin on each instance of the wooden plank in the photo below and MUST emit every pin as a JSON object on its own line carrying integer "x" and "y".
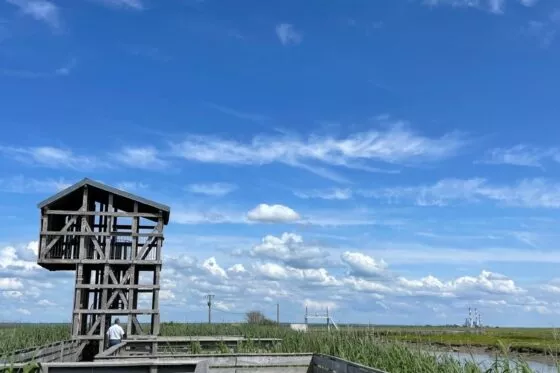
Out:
{"x": 56, "y": 239}
{"x": 117, "y": 312}
{"x": 112, "y": 276}
{"x": 95, "y": 242}
{"x": 104, "y": 234}
{"x": 260, "y": 360}
{"x": 137, "y": 325}
{"x": 94, "y": 326}
{"x": 141, "y": 288}
{"x": 103, "y": 213}
{"x": 97, "y": 261}
{"x": 155, "y": 302}
{"x": 145, "y": 248}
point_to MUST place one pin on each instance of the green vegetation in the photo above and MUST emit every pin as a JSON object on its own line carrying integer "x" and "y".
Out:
{"x": 383, "y": 348}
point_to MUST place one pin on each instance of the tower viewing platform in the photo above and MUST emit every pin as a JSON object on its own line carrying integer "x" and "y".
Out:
{"x": 113, "y": 240}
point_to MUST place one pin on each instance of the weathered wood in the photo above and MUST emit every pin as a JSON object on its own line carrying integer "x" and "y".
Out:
{"x": 50, "y": 245}
{"x": 95, "y": 242}
{"x": 141, "y": 288}
{"x": 83, "y": 233}
{"x": 103, "y": 213}
{"x": 137, "y": 326}
{"x": 107, "y": 254}
{"x": 116, "y": 312}
{"x": 145, "y": 248}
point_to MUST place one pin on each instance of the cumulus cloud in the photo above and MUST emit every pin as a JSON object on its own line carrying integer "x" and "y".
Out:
{"x": 237, "y": 269}
{"x": 265, "y": 213}
{"x": 20, "y": 258}
{"x": 291, "y": 250}
{"x": 313, "y": 305}
{"x": 10, "y": 283}
{"x": 46, "y": 302}
{"x": 363, "y": 265}
{"x": 213, "y": 268}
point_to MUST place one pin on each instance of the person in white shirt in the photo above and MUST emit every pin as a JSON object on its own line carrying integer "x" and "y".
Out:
{"x": 115, "y": 333}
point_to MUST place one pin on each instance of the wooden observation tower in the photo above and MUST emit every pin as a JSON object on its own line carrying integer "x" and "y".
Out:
{"x": 113, "y": 240}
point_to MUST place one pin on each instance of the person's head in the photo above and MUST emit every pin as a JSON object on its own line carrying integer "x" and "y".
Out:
{"x": 117, "y": 321}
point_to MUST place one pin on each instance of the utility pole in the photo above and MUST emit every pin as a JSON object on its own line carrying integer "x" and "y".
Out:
{"x": 210, "y": 296}
{"x": 278, "y": 314}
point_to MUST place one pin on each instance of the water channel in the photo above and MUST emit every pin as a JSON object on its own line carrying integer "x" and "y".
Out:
{"x": 485, "y": 361}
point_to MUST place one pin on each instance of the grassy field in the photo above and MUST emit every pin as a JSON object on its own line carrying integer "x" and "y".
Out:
{"x": 379, "y": 347}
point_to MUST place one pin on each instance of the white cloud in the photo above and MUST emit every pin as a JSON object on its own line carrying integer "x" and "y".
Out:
{"x": 141, "y": 157}
{"x": 46, "y": 302}
{"x": 166, "y": 295}
{"x": 212, "y": 189}
{"x": 49, "y": 156}
{"x": 288, "y": 34}
{"x": 253, "y": 117}
{"x": 272, "y": 214}
{"x": 544, "y": 31}
{"x": 10, "y": 283}
{"x": 208, "y": 216}
{"x": 13, "y": 294}
{"x": 41, "y": 10}
{"x": 328, "y": 194}
{"x": 132, "y": 186}
{"x": 24, "y": 311}
{"x": 313, "y": 305}
{"x": 520, "y": 155}
{"x": 494, "y": 6}
{"x": 213, "y": 268}
{"x": 363, "y": 265}
{"x": 291, "y": 250}
{"x": 531, "y": 193}
{"x": 21, "y": 184}
{"x": 10, "y": 257}
{"x": 131, "y": 4}
{"x": 237, "y": 269}
{"x": 528, "y": 2}
{"x": 396, "y": 145}
{"x": 310, "y": 277}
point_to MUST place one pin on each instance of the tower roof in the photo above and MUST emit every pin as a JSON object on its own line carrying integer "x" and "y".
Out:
{"x": 71, "y": 199}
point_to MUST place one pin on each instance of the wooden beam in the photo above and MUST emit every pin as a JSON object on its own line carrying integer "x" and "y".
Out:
{"x": 116, "y": 287}
{"x": 56, "y": 239}
{"x": 112, "y": 276}
{"x": 116, "y": 312}
{"x": 103, "y": 213}
{"x": 145, "y": 248}
{"x": 84, "y": 233}
{"x": 137, "y": 325}
{"x": 96, "y": 245}
{"x": 94, "y": 326}
{"x": 115, "y": 262}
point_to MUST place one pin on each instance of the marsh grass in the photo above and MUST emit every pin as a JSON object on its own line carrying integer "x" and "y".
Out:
{"x": 378, "y": 348}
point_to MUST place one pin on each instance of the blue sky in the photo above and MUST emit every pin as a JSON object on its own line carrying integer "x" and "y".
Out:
{"x": 396, "y": 161}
